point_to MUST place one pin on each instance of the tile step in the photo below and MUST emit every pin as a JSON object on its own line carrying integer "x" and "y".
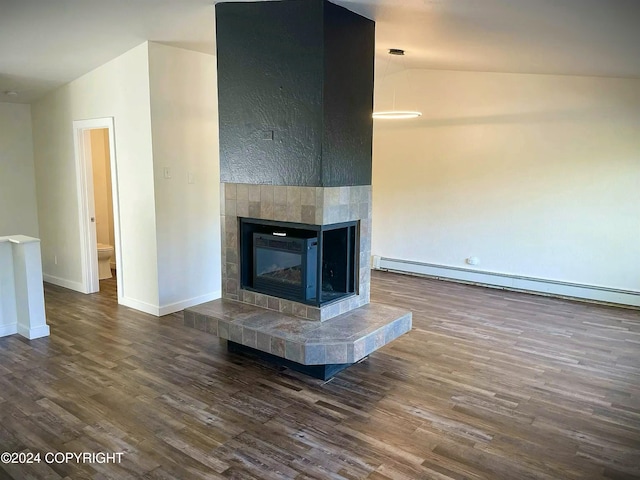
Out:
{"x": 346, "y": 338}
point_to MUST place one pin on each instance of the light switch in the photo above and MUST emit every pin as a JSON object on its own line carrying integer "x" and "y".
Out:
{"x": 167, "y": 172}
{"x": 191, "y": 177}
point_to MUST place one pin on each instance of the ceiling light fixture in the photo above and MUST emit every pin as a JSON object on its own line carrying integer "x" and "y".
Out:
{"x": 393, "y": 113}
{"x": 397, "y": 114}
{"x": 11, "y": 93}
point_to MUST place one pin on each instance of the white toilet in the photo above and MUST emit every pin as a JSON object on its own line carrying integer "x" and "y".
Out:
{"x": 104, "y": 261}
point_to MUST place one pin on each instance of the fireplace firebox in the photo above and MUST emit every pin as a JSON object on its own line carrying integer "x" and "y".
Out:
{"x": 285, "y": 267}
{"x": 312, "y": 264}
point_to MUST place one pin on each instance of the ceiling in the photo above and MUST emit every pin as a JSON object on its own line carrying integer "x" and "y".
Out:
{"x": 46, "y": 43}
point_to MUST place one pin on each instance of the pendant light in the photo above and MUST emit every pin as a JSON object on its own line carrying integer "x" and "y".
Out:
{"x": 395, "y": 114}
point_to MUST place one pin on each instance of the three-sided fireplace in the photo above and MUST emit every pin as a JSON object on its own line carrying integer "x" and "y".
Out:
{"x": 312, "y": 264}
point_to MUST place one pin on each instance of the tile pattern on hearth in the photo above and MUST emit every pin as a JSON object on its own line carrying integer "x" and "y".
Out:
{"x": 346, "y": 338}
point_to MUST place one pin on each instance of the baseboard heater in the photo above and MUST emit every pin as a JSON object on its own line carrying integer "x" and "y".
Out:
{"x": 511, "y": 282}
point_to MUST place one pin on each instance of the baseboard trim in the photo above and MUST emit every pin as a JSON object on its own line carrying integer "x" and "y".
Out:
{"x": 10, "y": 329}
{"x": 512, "y": 282}
{"x": 179, "y": 306}
{"x": 170, "y": 308}
{"x": 63, "y": 282}
{"x": 138, "y": 305}
{"x": 33, "y": 333}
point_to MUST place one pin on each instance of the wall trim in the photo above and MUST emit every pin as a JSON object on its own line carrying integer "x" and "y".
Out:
{"x": 63, "y": 282}
{"x": 170, "y": 308}
{"x": 33, "y": 333}
{"x": 511, "y": 282}
{"x": 10, "y": 329}
{"x": 178, "y": 306}
{"x": 138, "y": 305}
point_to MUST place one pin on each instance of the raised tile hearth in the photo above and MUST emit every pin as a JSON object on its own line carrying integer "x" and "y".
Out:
{"x": 342, "y": 340}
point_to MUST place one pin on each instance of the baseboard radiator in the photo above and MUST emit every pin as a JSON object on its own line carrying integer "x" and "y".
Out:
{"x": 554, "y": 288}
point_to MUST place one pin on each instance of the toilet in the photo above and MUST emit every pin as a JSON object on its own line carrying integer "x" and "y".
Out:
{"x": 104, "y": 261}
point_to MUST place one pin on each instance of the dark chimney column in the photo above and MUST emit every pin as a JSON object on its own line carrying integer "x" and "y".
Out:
{"x": 295, "y": 89}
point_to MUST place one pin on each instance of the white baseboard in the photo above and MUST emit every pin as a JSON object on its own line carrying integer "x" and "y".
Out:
{"x": 33, "y": 333}
{"x": 168, "y": 309}
{"x": 9, "y": 329}
{"x": 138, "y": 305}
{"x": 513, "y": 282}
{"x": 177, "y": 306}
{"x": 63, "y": 282}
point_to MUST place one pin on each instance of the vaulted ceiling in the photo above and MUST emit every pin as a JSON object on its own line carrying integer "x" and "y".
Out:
{"x": 46, "y": 43}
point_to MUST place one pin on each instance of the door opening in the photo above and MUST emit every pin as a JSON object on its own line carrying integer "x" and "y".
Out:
{"x": 98, "y": 139}
{"x": 98, "y": 206}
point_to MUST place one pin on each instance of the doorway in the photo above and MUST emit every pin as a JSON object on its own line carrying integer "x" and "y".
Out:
{"x": 98, "y": 206}
{"x": 98, "y": 139}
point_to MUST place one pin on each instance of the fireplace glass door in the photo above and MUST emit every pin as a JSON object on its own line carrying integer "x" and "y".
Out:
{"x": 285, "y": 267}
{"x": 311, "y": 264}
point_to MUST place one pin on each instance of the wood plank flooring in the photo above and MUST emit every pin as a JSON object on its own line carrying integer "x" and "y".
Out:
{"x": 488, "y": 385}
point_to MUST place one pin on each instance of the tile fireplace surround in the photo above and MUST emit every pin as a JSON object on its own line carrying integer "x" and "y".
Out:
{"x": 319, "y": 341}
{"x": 310, "y": 205}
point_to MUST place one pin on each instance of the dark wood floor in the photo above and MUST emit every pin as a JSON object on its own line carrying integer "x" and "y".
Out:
{"x": 489, "y": 384}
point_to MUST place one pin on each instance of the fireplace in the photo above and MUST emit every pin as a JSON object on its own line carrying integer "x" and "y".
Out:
{"x": 310, "y": 264}
{"x": 295, "y": 95}
{"x": 284, "y": 266}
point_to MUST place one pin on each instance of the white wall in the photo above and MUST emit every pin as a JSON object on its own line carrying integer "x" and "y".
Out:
{"x": 164, "y": 104}
{"x": 536, "y": 175}
{"x": 119, "y": 89}
{"x": 18, "y": 211}
{"x": 184, "y": 119}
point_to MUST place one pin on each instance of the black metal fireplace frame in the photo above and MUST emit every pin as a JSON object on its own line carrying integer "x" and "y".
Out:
{"x": 306, "y": 248}
{"x": 248, "y": 226}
